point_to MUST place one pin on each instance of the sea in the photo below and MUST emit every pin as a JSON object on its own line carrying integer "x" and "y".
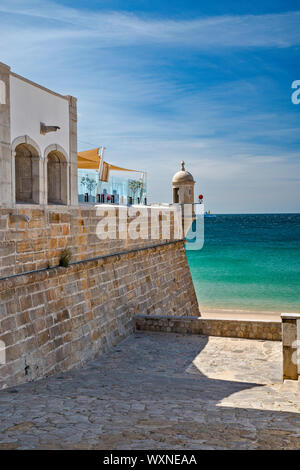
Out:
{"x": 249, "y": 262}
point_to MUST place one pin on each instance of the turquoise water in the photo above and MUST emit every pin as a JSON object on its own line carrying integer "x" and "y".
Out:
{"x": 249, "y": 262}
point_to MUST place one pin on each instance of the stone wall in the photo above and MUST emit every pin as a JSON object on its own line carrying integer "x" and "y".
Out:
{"x": 58, "y": 318}
{"x": 27, "y": 246}
{"x": 249, "y": 329}
{"x": 290, "y": 346}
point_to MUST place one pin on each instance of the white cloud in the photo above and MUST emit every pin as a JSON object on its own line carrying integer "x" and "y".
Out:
{"x": 114, "y": 28}
{"x": 149, "y": 119}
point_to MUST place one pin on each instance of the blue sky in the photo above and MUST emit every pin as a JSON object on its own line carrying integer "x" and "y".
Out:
{"x": 160, "y": 81}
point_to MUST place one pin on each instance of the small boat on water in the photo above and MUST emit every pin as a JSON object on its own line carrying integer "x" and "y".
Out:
{"x": 208, "y": 214}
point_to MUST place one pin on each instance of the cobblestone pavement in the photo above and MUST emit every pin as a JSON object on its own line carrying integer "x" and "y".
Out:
{"x": 160, "y": 391}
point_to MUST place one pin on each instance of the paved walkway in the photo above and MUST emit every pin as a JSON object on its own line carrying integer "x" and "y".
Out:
{"x": 160, "y": 391}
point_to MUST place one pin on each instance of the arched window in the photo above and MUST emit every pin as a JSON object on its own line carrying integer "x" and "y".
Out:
{"x": 176, "y": 195}
{"x": 27, "y": 174}
{"x": 57, "y": 178}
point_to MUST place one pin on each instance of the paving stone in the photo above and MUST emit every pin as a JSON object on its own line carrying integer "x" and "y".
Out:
{"x": 160, "y": 391}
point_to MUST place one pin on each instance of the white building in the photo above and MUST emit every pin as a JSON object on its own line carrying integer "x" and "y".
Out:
{"x": 38, "y": 143}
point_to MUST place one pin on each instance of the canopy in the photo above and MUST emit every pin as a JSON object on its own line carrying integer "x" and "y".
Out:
{"x": 90, "y": 160}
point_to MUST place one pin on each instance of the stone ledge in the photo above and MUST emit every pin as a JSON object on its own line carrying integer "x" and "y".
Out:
{"x": 290, "y": 316}
{"x": 249, "y": 329}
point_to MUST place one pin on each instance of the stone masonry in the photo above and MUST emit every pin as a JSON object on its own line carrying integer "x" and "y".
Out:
{"x": 160, "y": 391}
{"x": 247, "y": 329}
{"x": 26, "y": 246}
{"x": 59, "y": 318}
{"x": 73, "y": 150}
{"x": 291, "y": 345}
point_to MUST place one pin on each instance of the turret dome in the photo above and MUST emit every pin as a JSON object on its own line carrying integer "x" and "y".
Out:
{"x": 183, "y": 176}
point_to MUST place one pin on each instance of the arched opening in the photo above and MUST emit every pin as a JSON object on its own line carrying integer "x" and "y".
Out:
{"x": 175, "y": 195}
{"x": 27, "y": 174}
{"x": 57, "y": 178}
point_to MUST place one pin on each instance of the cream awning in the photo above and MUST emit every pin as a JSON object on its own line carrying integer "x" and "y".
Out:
{"x": 90, "y": 160}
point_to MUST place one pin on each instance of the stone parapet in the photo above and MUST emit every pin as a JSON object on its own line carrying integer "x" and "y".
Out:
{"x": 33, "y": 237}
{"x": 249, "y": 329}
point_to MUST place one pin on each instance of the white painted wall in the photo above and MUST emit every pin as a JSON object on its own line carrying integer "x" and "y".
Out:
{"x": 31, "y": 105}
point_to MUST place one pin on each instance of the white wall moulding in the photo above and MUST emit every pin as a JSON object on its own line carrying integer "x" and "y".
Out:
{"x": 5, "y": 137}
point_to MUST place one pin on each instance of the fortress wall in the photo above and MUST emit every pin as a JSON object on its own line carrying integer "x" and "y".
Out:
{"x": 37, "y": 244}
{"x": 56, "y": 319}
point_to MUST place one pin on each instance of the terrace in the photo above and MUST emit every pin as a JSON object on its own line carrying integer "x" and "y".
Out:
{"x": 160, "y": 391}
{"x": 100, "y": 182}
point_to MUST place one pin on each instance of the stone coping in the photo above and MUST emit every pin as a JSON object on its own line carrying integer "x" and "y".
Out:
{"x": 87, "y": 205}
{"x": 189, "y": 318}
{"x": 290, "y": 316}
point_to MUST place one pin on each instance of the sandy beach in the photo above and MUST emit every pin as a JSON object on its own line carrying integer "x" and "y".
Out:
{"x": 227, "y": 314}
